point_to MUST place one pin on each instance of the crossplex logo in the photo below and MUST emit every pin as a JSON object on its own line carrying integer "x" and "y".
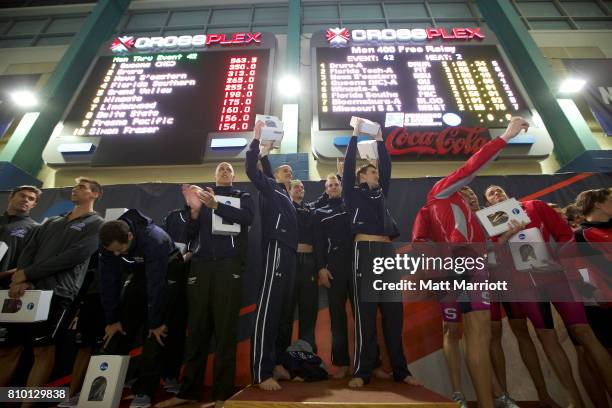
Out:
{"x": 123, "y": 44}
{"x": 337, "y": 36}
{"x": 340, "y": 37}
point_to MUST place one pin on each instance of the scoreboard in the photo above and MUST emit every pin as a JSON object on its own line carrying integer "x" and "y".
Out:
{"x": 170, "y": 94}
{"x": 159, "y": 105}
{"x": 420, "y": 86}
{"x": 428, "y": 88}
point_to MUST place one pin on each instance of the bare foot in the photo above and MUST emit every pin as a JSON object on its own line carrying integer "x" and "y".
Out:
{"x": 173, "y": 402}
{"x": 381, "y": 374}
{"x": 280, "y": 373}
{"x": 297, "y": 379}
{"x": 270, "y": 385}
{"x": 356, "y": 382}
{"x": 341, "y": 373}
{"x": 410, "y": 380}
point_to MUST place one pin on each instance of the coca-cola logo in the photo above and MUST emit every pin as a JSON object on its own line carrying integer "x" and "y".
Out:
{"x": 451, "y": 141}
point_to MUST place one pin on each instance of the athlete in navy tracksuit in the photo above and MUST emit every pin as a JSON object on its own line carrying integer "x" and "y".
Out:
{"x": 175, "y": 224}
{"x": 333, "y": 247}
{"x": 306, "y": 288}
{"x": 135, "y": 257}
{"x": 280, "y": 238}
{"x": 373, "y": 228}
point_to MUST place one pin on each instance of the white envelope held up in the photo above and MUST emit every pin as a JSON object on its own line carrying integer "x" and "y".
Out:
{"x": 220, "y": 226}
{"x": 181, "y": 247}
{"x": 528, "y": 249}
{"x": 112, "y": 214}
{"x": 367, "y": 126}
{"x": 272, "y": 131}
{"x": 3, "y": 250}
{"x": 496, "y": 218}
{"x": 103, "y": 383}
{"x": 368, "y": 149}
{"x": 33, "y": 306}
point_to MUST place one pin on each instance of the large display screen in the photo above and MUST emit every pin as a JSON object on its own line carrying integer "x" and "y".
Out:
{"x": 160, "y": 108}
{"x": 171, "y": 94}
{"x": 425, "y": 86}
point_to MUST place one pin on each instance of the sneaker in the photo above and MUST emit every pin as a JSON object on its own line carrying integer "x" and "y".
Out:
{"x": 141, "y": 401}
{"x": 459, "y": 398}
{"x": 171, "y": 385}
{"x": 170, "y": 382}
{"x": 70, "y": 402}
{"x": 504, "y": 402}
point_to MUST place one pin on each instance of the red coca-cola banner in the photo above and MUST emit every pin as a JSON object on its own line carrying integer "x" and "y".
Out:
{"x": 451, "y": 141}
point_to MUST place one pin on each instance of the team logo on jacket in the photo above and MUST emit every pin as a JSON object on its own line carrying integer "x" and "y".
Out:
{"x": 18, "y": 232}
{"x": 78, "y": 226}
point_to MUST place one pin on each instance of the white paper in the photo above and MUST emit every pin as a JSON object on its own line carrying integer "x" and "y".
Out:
{"x": 496, "y": 218}
{"x": 181, "y": 247}
{"x": 394, "y": 119}
{"x": 112, "y": 214}
{"x": 33, "y": 306}
{"x": 584, "y": 273}
{"x": 272, "y": 131}
{"x": 367, "y": 126}
{"x": 528, "y": 249}
{"x": 103, "y": 385}
{"x": 3, "y": 250}
{"x": 219, "y": 227}
{"x": 368, "y": 149}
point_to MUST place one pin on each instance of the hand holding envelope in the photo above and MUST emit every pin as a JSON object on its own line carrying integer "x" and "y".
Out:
{"x": 272, "y": 129}
{"x": 368, "y": 149}
{"x": 496, "y": 218}
{"x": 365, "y": 126}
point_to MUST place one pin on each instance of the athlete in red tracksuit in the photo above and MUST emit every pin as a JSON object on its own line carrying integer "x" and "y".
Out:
{"x": 451, "y": 312}
{"x": 552, "y": 227}
{"x": 453, "y": 222}
{"x": 594, "y": 241}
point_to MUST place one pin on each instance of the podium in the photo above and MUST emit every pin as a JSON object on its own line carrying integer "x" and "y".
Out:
{"x": 337, "y": 394}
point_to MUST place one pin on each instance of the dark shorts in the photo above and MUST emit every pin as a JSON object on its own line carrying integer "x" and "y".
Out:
{"x": 90, "y": 324}
{"x": 539, "y": 313}
{"x": 40, "y": 333}
{"x": 12, "y": 335}
{"x": 452, "y": 311}
{"x": 455, "y": 304}
{"x": 512, "y": 310}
